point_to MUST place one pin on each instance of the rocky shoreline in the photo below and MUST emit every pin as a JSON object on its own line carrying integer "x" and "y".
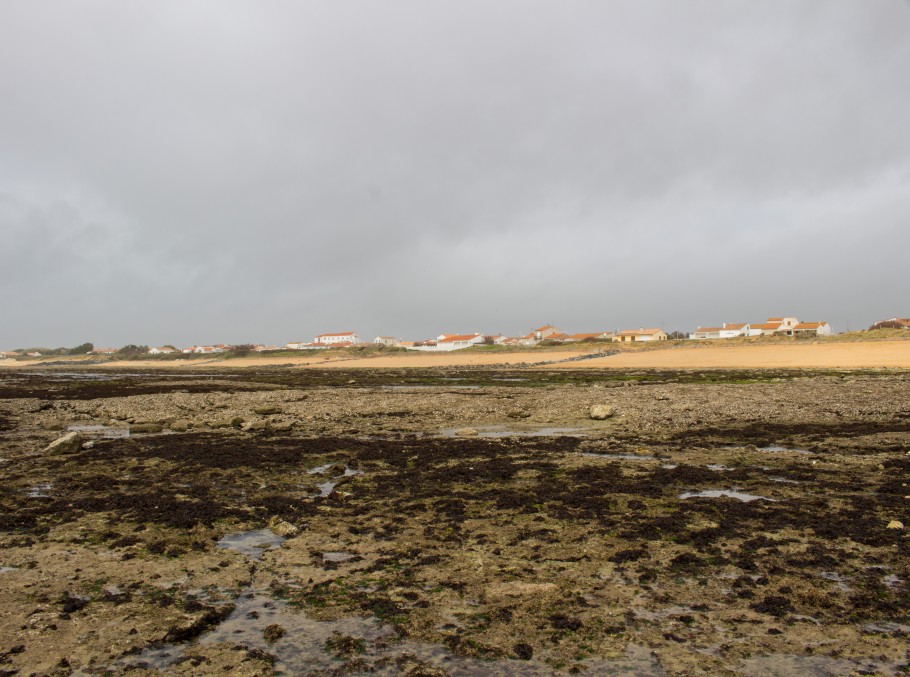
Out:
{"x": 743, "y": 523}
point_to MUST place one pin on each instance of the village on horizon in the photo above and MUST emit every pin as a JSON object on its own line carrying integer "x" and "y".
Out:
{"x": 547, "y": 334}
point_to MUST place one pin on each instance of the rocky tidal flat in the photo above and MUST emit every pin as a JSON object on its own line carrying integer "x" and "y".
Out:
{"x": 454, "y": 522}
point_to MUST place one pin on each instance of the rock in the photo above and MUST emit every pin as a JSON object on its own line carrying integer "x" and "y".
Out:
{"x": 465, "y": 432}
{"x": 89, "y": 445}
{"x": 256, "y": 426}
{"x": 523, "y": 651}
{"x": 267, "y": 410}
{"x": 68, "y": 444}
{"x": 273, "y": 633}
{"x": 895, "y": 524}
{"x": 146, "y": 428}
{"x": 235, "y": 422}
{"x": 519, "y": 413}
{"x": 601, "y": 412}
{"x": 181, "y": 425}
{"x": 281, "y": 528}
{"x": 283, "y": 427}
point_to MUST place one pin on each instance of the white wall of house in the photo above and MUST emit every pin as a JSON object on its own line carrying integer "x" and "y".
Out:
{"x": 330, "y": 339}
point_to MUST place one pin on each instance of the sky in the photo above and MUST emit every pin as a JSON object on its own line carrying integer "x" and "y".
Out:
{"x": 191, "y": 172}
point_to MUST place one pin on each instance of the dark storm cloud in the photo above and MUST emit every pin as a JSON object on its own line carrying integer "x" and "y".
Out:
{"x": 226, "y": 171}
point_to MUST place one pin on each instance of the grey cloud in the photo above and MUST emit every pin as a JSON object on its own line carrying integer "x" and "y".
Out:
{"x": 203, "y": 171}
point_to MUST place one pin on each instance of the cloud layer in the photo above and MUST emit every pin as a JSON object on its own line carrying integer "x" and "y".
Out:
{"x": 224, "y": 171}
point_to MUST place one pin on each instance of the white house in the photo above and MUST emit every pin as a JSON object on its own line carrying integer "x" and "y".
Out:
{"x": 817, "y": 328}
{"x": 342, "y": 339}
{"x": 774, "y": 325}
{"x": 163, "y": 350}
{"x": 459, "y": 341}
{"x": 386, "y": 341}
{"x": 303, "y": 345}
{"x": 636, "y": 335}
{"x": 726, "y": 331}
{"x": 207, "y": 350}
{"x": 446, "y": 342}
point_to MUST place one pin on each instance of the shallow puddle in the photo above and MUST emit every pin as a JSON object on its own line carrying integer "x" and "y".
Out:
{"x": 40, "y": 490}
{"x": 251, "y": 543}
{"x": 302, "y": 646}
{"x": 336, "y": 556}
{"x": 502, "y": 431}
{"x": 729, "y": 493}
{"x": 620, "y": 457}
{"x": 782, "y": 665}
{"x": 326, "y": 488}
{"x": 105, "y": 432}
{"x": 835, "y": 577}
{"x": 778, "y": 448}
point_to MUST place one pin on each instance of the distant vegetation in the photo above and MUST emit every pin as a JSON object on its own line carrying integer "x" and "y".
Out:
{"x": 887, "y": 324}
{"x": 83, "y": 349}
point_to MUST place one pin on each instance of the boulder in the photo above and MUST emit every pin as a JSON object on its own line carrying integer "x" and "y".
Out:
{"x": 181, "y": 425}
{"x": 267, "y": 410}
{"x": 519, "y": 413}
{"x": 281, "y": 528}
{"x": 68, "y": 444}
{"x": 600, "y": 412}
{"x": 273, "y": 633}
{"x": 895, "y": 524}
{"x": 465, "y": 432}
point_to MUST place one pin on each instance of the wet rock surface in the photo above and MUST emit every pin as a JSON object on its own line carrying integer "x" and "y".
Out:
{"x": 726, "y": 523}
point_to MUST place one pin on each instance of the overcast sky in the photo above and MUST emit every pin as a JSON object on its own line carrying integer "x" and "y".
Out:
{"x": 218, "y": 171}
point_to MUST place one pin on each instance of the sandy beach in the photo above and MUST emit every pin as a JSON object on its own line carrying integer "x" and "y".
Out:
{"x": 834, "y": 355}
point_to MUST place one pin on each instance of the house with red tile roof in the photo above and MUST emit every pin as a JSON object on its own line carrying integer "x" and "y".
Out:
{"x": 812, "y": 328}
{"x": 725, "y": 331}
{"x": 591, "y": 336}
{"x": 447, "y": 342}
{"x": 341, "y": 339}
{"x": 459, "y": 341}
{"x": 638, "y": 335}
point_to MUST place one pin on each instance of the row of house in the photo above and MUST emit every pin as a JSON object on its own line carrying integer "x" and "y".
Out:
{"x": 555, "y": 335}
{"x": 775, "y": 326}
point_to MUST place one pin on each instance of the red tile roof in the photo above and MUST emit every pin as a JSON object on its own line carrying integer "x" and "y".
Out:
{"x": 639, "y": 332}
{"x": 458, "y": 337}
